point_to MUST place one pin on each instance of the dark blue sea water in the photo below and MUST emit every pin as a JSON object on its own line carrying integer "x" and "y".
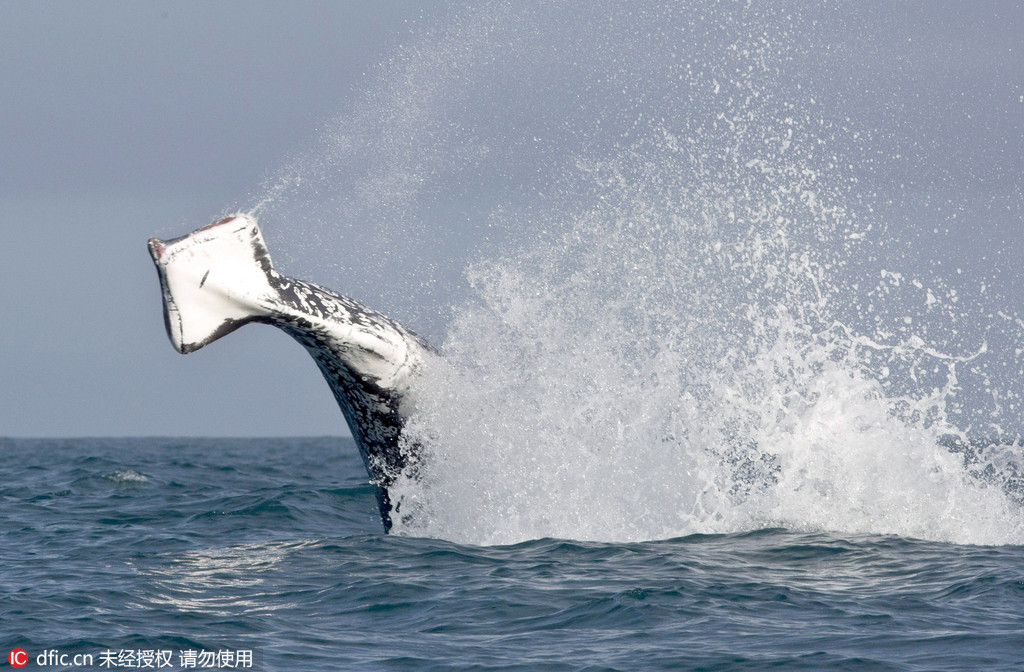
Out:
{"x": 273, "y": 546}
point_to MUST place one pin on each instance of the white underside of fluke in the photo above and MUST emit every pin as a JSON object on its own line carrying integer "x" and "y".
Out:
{"x": 214, "y": 280}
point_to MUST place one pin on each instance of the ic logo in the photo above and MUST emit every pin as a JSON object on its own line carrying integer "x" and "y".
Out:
{"x": 18, "y": 658}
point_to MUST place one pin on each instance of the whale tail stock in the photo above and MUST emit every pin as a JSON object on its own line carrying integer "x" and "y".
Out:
{"x": 220, "y": 277}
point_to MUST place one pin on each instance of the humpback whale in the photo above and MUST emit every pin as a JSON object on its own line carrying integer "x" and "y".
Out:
{"x": 220, "y": 277}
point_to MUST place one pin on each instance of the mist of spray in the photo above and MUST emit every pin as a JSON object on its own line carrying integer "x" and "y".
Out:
{"x": 683, "y": 310}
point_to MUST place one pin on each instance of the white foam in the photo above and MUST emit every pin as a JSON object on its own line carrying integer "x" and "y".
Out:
{"x": 128, "y": 476}
{"x": 553, "y": 416}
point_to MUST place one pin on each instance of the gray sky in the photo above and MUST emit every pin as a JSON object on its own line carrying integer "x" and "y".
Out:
{"x": 122, "y": 120}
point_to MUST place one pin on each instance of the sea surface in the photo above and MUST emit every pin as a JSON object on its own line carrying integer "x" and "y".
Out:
{"x": 271, "y": 551}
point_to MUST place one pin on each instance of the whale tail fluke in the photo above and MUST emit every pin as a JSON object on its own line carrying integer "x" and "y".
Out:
{"x": 214, "y": 280}
{"x": 220, "y": 277}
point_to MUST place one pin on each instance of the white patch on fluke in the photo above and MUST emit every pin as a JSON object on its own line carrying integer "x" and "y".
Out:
{"x": 212, "y": 281}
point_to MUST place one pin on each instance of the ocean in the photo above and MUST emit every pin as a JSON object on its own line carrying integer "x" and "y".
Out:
{"x": 269, "y": 553}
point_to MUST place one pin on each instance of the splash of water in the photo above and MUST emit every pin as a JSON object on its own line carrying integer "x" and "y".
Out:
{"x": 688, "y": 313}
{"x": 678, "y": 360}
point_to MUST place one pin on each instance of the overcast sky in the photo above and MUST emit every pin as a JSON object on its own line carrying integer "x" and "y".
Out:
{"x": 123, "y": 120}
